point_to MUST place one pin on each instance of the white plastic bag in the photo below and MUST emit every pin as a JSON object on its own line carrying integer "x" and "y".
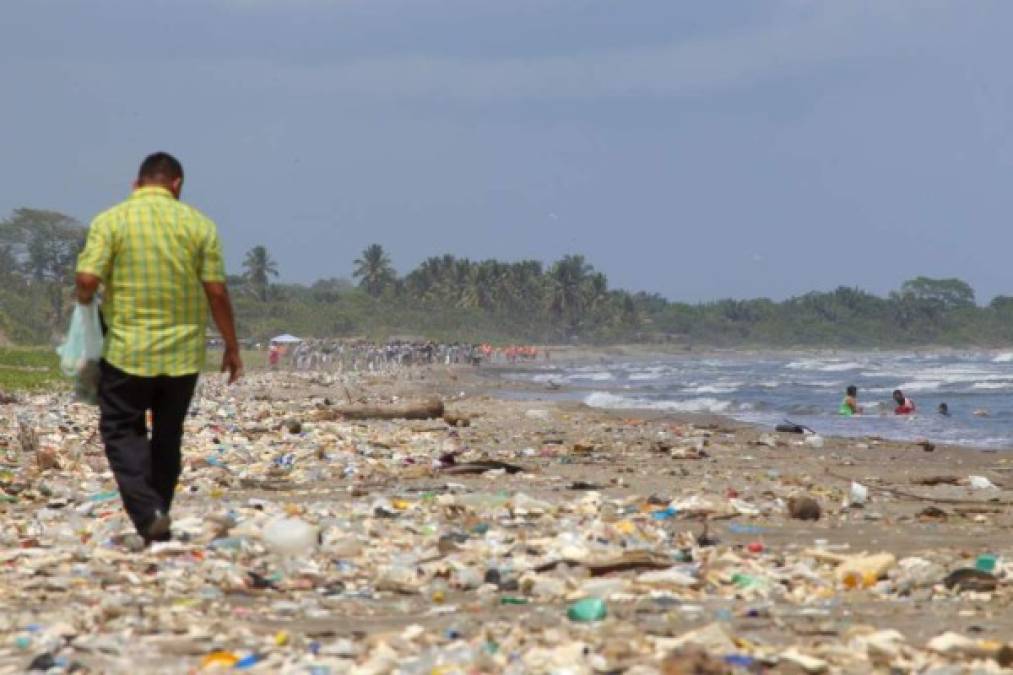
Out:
{"x": 81, "y": 351}
{"x": 980, "y": 483}
{"x": 859, "y": 494}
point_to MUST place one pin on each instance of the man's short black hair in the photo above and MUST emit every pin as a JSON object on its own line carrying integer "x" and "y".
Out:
{"x": 852, "y": 390}
{"x": 160, "y": 167}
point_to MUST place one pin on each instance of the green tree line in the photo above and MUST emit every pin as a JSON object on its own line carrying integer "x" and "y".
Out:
{"x": 451, "y": 298}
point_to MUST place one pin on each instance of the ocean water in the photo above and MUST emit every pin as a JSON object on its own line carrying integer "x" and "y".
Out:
{"x": 769, "y": 389}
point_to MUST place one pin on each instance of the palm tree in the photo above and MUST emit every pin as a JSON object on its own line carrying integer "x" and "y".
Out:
{"x": 567, "y": 280}
{"x": 595, "y": 291}
{"x": 260, "y": 267}
{"x": 529, "y": 285}
{"x": 373, "y": 270}
{"x": 479, "y": 286}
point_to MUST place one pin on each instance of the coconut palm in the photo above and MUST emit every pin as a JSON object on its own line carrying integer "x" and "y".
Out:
{"x": 260, "y": 267}
{"x": 373, "y": 270}
{"x": 567, "y": 289}
{"x": 595, "y": 291}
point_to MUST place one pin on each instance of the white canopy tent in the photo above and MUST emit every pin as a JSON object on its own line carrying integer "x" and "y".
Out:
{"x": 285, "y": 339}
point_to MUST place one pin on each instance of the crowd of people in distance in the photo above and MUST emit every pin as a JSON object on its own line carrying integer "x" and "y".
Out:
{"x": 364, "y": 356}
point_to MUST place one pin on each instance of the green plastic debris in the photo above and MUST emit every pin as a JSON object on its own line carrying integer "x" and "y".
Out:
{"x": 587, "y": 610}
{"x": 746, "y": 580}
{"x": 986, "y": 562}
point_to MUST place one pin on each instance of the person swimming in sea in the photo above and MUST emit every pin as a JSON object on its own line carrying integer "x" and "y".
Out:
{"x": 849, "y": 406}
{"x": 905, "y": 406}
{"x": 944, "y": 410}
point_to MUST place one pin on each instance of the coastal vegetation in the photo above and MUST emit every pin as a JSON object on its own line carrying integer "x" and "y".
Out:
{"x": 451, "y": 298}
{"x": 29, "y": 369}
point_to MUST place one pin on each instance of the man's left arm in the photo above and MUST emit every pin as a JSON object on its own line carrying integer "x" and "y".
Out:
{"x": 212, "y": 276}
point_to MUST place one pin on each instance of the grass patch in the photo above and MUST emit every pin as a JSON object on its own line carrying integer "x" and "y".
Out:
{"x": 38, "y": 368}
{"x": 30, "y": 369}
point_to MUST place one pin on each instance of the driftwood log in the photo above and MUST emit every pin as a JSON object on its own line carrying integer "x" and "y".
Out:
{"x": 455, "y": 419}
{"x": 407, "y": 410}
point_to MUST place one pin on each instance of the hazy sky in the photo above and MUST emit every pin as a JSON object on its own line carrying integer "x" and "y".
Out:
{"x": 697, "y": 149}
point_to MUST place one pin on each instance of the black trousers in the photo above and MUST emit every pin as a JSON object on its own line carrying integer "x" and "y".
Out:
{"x": 146, "y": 469}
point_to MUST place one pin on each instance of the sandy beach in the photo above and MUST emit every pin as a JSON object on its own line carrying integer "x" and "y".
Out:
{"x": 681, "y": 525}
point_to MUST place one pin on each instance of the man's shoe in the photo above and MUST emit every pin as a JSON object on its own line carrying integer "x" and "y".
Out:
{"x": 158, "y": 527}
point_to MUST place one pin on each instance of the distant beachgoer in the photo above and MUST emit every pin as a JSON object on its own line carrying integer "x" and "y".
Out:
{"x": 944, "y": 410}
{"x": 905, "y": 406}
{"x": 849, "y": 406}
{"x": 274, "y": 355}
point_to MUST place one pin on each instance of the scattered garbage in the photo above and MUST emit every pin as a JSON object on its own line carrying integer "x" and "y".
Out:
{"x": 587, "y": 610}
{"x": 529, "y": 540}
{"x": 814, "y": 441}
{"x": 987, "y": 562}
{"x": 862, "y": 571}
{"x": 290, "y": 536}
{"x": 665, "y": 514}
{"x": 980, "y": 483}
{"x": 858, "y": 494}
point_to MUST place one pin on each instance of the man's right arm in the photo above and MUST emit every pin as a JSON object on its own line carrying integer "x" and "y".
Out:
{"x": 94, "y": 261}
{"x": 221, "y": 311}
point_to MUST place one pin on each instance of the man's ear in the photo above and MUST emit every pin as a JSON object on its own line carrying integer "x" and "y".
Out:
{"x": 177, "y": 187}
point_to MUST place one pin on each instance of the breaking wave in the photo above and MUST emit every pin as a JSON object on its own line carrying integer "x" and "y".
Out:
{"x": 703, "y": 404}
{"x": 824, "y": 366}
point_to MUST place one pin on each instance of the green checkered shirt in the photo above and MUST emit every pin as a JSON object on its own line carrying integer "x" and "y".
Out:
{"x": 152, "y": 253}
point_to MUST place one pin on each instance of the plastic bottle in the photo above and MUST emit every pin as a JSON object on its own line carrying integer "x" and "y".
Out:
{"x": 438, "y": 591}
{"x": 227, "y": 543}
{"x": 745, "y": 581}
{"x": 219, "y": 659}
{"x": 858, "y": 579}
{"x": 587, "y": 610}
{"x": 247, "y": 662}
{"x": 665, "y": 514}
{"x": 863, "y": 571}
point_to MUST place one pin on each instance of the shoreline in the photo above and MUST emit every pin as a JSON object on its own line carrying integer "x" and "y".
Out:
{"x": 496, "y": 374}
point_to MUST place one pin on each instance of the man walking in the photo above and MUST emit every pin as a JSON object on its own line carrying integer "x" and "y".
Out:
{"x": 160, "y": 264}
